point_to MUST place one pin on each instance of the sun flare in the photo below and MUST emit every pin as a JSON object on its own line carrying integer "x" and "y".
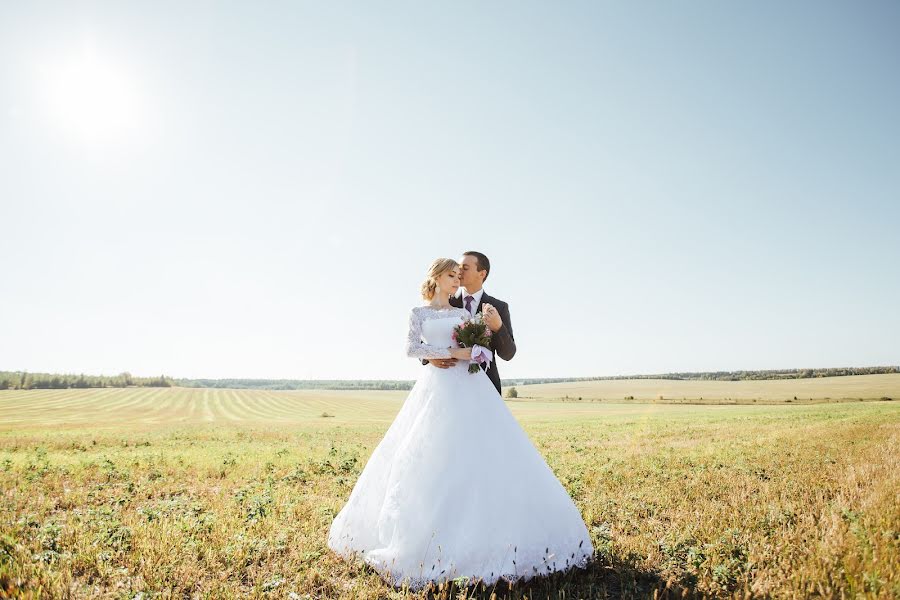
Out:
{"x": 92, "y": 98}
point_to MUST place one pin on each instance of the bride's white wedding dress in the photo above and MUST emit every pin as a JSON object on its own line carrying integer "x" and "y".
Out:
{"x": 456, "y": 488}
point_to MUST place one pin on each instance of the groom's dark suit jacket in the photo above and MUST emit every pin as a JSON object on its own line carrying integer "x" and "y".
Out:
{"x": 502, "y": 342}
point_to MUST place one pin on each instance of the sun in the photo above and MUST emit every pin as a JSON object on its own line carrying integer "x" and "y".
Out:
{"x": 92, "y": 98}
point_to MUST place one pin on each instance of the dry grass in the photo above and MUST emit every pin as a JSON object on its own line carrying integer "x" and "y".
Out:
{"x": 819, "y": 389}
{"x": 213, "y": 494}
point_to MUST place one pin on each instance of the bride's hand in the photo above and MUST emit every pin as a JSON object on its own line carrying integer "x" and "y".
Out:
{"x": 443, "y": 363}
{"x": 461, "y": 353}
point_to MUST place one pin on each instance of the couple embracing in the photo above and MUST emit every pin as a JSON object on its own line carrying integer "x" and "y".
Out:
{"x": 455, "y": 488}
{"x": 468, "y": 293}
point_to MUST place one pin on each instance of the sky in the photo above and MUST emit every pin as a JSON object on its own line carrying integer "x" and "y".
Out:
{"x": 224, "y": 189}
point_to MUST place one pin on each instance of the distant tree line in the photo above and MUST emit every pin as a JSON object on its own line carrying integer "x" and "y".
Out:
{"x": 23, "y": 380}
{"x": 725, "y": 375}
{"x": 773, "y": 374}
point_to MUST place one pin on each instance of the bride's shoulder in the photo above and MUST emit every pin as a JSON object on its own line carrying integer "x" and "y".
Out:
{"x": 420, "y": 310}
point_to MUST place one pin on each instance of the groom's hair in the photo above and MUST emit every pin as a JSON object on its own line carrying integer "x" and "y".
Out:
{"x": 483, "y": 263}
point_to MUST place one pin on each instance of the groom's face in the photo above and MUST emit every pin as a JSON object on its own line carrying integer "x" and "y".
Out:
{"x": 469, "y": 275}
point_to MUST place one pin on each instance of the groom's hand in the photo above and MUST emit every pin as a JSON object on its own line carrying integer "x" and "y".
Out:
{"x": 443, "y": 363}
{"x": 491, "y": 317}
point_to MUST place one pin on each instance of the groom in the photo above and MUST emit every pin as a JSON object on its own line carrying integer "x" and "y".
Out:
{"x": 474, "y": 269}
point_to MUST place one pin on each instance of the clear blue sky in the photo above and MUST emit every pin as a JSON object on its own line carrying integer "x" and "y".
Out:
{"x": 256, "y": 190}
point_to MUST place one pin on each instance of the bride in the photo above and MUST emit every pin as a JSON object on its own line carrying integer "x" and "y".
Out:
{"x": 456, "y": 488}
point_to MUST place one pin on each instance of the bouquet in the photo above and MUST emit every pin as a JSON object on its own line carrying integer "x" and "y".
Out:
{"x": 474, "y": 334}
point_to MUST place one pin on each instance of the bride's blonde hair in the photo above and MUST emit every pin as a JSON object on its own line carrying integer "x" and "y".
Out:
{"x": 437, "y": 268}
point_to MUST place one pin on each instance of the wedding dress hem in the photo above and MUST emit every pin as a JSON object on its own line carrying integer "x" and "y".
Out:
{"x": 578, "y": 560}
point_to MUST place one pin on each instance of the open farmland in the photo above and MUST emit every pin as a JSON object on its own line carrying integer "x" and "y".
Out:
{"x": 197, "y": 493}
{"x": 818, "y": 389}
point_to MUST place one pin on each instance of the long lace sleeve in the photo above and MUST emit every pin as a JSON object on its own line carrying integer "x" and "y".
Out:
{"x": 415, "y": 348}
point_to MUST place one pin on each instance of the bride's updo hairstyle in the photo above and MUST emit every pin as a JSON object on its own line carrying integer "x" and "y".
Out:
{"x": 437, "y": 268}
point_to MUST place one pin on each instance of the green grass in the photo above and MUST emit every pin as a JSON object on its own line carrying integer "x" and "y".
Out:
{"x": 186, "y": 493}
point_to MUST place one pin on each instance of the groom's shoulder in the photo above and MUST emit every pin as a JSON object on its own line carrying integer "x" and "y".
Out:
{"x": 495, "y": 301}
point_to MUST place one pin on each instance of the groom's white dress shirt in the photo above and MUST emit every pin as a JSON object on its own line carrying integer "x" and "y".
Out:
{"x": 476, "y": 298}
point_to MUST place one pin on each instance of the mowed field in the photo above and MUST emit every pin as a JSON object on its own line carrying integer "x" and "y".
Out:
{"x": 150, "y": 406}
{"x": 192, "y": 493}
{"x": 117, "y": 407}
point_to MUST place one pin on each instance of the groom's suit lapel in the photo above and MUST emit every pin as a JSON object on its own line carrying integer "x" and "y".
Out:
{"x": 484, "y": 298}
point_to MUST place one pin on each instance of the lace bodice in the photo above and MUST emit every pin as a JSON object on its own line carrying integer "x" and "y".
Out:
{"x": 430, "y": 330}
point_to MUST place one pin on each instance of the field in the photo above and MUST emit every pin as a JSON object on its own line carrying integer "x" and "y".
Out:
{"x": 819, "y": 389}
{"x": 183, "y": 493}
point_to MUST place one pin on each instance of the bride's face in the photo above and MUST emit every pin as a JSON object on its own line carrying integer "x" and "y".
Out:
{"x": 449, "y": 282}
